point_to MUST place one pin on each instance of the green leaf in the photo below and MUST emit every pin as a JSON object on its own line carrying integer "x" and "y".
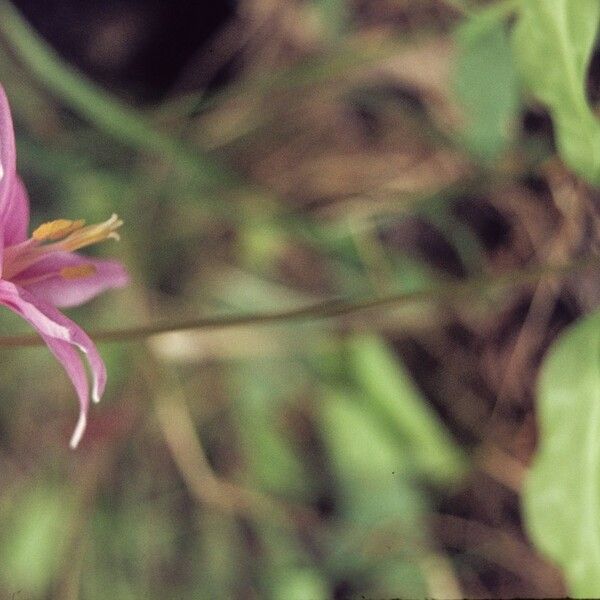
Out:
{"x": 33, "y": 539}
{"x": 553, "y": 41}
{"x": 486, "y": 85}
{"x": 562, "y": 492}
{"x": 377, "y": 492}
{"x": 334, "y": 14}
{"x": 300, "y": 584}
{"x": 264, "y": 389}
{"x": 396, "y": 401}
{"x": 372, "y": 472}
{"x": 217, "y": 544}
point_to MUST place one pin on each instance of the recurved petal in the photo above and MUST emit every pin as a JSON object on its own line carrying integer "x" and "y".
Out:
{"x": 23, "y": 303}
{"x": 71, "y": 361}
{"x": 17, "y": 219}
{"x": 51, "y": 278}
{"x": 7, "y": 156}
{"x": 51, "y": 324}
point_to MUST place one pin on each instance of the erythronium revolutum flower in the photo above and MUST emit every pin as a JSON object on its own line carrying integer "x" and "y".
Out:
{"x": 43, "y": 272}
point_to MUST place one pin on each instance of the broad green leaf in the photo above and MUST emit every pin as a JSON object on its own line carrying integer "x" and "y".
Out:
{"x": 386, "y": 387}
{"x": 562, "y": 492}
{"x": 553, "y": 42}
{"x": 486, "y": 85}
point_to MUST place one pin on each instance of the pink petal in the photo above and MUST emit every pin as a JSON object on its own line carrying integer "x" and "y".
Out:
{"x": 13, "y": 297}
{"x": 7, "y": 155}
{"x": 62, "y": 336}
{"x": 77, "y": 336}
{"x": 71, "y": 292}
{"x": 69, "y": 358}
{"x": 17, "y": 219}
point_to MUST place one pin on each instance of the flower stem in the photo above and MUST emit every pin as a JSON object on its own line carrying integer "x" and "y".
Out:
{"x": 333, "y": 308}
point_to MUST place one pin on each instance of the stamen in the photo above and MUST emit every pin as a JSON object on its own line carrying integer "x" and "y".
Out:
{"x": 56, "y": 230}
{"x": 78, "y": 272}
{"x": 92, "y": 234}
{"x": 63, "y": 235}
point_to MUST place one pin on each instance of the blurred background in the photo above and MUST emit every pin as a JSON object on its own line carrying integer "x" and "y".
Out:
{"x": 267, "y": 155}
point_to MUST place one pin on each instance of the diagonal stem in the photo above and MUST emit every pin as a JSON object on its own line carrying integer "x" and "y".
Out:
{"x": 334, "y": 308}
{"x": 99, "y": 107}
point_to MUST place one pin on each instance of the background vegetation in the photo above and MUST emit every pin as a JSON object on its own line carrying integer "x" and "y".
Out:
{"x": 388, "y": 209}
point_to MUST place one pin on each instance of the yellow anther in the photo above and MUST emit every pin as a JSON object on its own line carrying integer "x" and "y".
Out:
{"x": 78, "y": 271}
{"x": 92, "y": 234}
{"x": 57, "y": 230}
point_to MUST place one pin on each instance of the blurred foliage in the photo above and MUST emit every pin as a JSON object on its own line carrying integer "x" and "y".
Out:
{"x": 561, "y": 498}
{"x": 304, "y": 153}
{"x": 486, "y": 85}
{"x": 553, "y": 44}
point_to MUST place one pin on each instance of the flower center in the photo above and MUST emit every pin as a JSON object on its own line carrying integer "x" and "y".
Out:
{"x": 62, "y": 235}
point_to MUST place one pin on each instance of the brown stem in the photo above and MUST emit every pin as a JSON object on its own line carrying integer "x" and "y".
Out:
{"x": 331, "y": 309}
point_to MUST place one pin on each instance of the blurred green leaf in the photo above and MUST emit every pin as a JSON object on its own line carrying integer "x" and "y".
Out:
{"x": 553, "y": 42}
{"x": 334, "y": 14}
{"x": 390, "y": 393}
{"x": 400, "y": 578}
{"x": 34, "y": 537}
{"x": 373, "y": 472}
{"x": 272, "y": 464}
{"x": 300, "y": 584}
{"x": 263, "y": 388}
{"x": 378, "y": 495}
{"x": 486, "y": 85}
{"x": 286, "y": 568}
{"x": 218, "y": 545}
{"x": 562, "y": 493}
{"x": 128, "y": 541}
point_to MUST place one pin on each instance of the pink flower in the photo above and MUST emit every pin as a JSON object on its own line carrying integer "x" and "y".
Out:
{"x": 42, "y": 272}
